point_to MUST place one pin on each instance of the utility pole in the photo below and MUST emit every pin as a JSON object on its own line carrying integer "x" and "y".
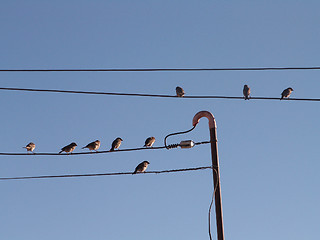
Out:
{"x": 215, "y": 166}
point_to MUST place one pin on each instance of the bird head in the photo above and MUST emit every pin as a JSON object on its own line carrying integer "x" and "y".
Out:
{"x": 73, "y": 144}
{"x": 146, "y": 162}
{"x": 119, "y": 139}
{"x": 290, "y": 88}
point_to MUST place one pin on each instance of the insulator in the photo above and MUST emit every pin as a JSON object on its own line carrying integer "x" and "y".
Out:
{"x": 186, "y": 144}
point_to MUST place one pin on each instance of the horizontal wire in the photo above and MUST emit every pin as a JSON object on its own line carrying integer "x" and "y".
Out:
{"x": 154, "y": 95}
{"x": 159, "y": 69}
{"x": 95, "y": 152}
{"x": 105, "y": 174}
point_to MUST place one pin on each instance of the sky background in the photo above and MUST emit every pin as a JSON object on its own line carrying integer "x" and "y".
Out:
{"x": 268, "y": 150}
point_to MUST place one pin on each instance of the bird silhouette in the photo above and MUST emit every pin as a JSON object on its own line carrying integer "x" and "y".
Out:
{"x": 149, "y": 142}
{"x": 30, "y": 147}
{"x": 246, "y": 92}
{"x": 141, "y": 167}
{"x": 69, "y": 148}
{"x": 116, "y": 144}
{"x": 179, "y": 91}
{"x": 93, "y": 145}
{"x": 286, "y": 93}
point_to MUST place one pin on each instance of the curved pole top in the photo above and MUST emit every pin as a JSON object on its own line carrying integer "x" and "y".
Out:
{"x": 201, "y": 114}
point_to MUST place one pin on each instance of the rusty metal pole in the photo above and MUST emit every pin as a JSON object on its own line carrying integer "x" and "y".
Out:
{"x": 215, "y": 164}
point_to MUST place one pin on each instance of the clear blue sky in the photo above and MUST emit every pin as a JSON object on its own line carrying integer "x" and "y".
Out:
{"x": 269, "y": 150}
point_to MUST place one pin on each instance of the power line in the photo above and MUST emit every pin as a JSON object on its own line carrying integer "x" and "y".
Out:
{"x": 97, "y": 152}
{"x": 105, "y": 174}
{"x": 154, "y": 95}
{"x": 161, "y": 69}
{"x": 211, "y": 203}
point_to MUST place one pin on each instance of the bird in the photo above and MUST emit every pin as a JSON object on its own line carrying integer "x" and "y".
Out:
{"x": 149, "y": 142}
{"x": 286, "y": 93}
{"x": 93, "y": 145}
{"x": 141, "y": 167}
{"x": 246, "y": 92}
{"x": 179, "y": 91}
{"x": 30, "y": 147}
{"x": 69, "y": 148}
{"x": 116, "y": 144}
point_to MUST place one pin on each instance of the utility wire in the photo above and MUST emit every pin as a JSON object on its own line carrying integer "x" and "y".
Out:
{"x": 160, "y": 69}
{"x": 177, "y": 133}
{"x": 96, "y": 152}
{"x": 104, "y": 174}
{"x": 155, "y": 95}
{"x": 212, "y": 199}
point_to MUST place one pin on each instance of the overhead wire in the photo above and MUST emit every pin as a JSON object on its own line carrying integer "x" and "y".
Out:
{"x": 104, "y": 174}
{"x": 161, "y": 69}
{"x": 145, "y": 95}
{"x": 154, "y": 95}
{"x": 211, "y": 203}
{"x": 173, "y": 134}
{"x": 93, "y": 152}
{"x": 213, "y": 169}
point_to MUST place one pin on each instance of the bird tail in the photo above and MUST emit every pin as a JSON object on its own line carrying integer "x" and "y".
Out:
{"x": 83, "y": 148}
{"x": 112, "y": 149}
{"x": 135, "y": 172}
{"x": 60, "y": 152}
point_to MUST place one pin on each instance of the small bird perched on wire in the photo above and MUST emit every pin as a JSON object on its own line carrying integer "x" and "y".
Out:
{"x": 149, "y": 142}
{"x": 179, "y": 91}
{"x": 246, "y": 92}
{"x": 116, "y": 144}
{"x": 93, "y": 145}
{"x": 286, "y": 93}
{"x": 141, "y": 167}
{"x": 30, "y": 147}
{"x": 69, "y": 148}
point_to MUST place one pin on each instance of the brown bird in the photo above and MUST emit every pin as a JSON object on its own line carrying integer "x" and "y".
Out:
{"x": 246, "y": 92}
{"x": 93, "y": 145}
{"x": 286, "y": 93}
{"x": 141, "y": 167}
{"x": 30, "y": 147}
{"x": 116, "y": 144}
{"x": 179, "y": 92}
{"x": 69, "y": 148}
{"x": 149, "y": 142}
